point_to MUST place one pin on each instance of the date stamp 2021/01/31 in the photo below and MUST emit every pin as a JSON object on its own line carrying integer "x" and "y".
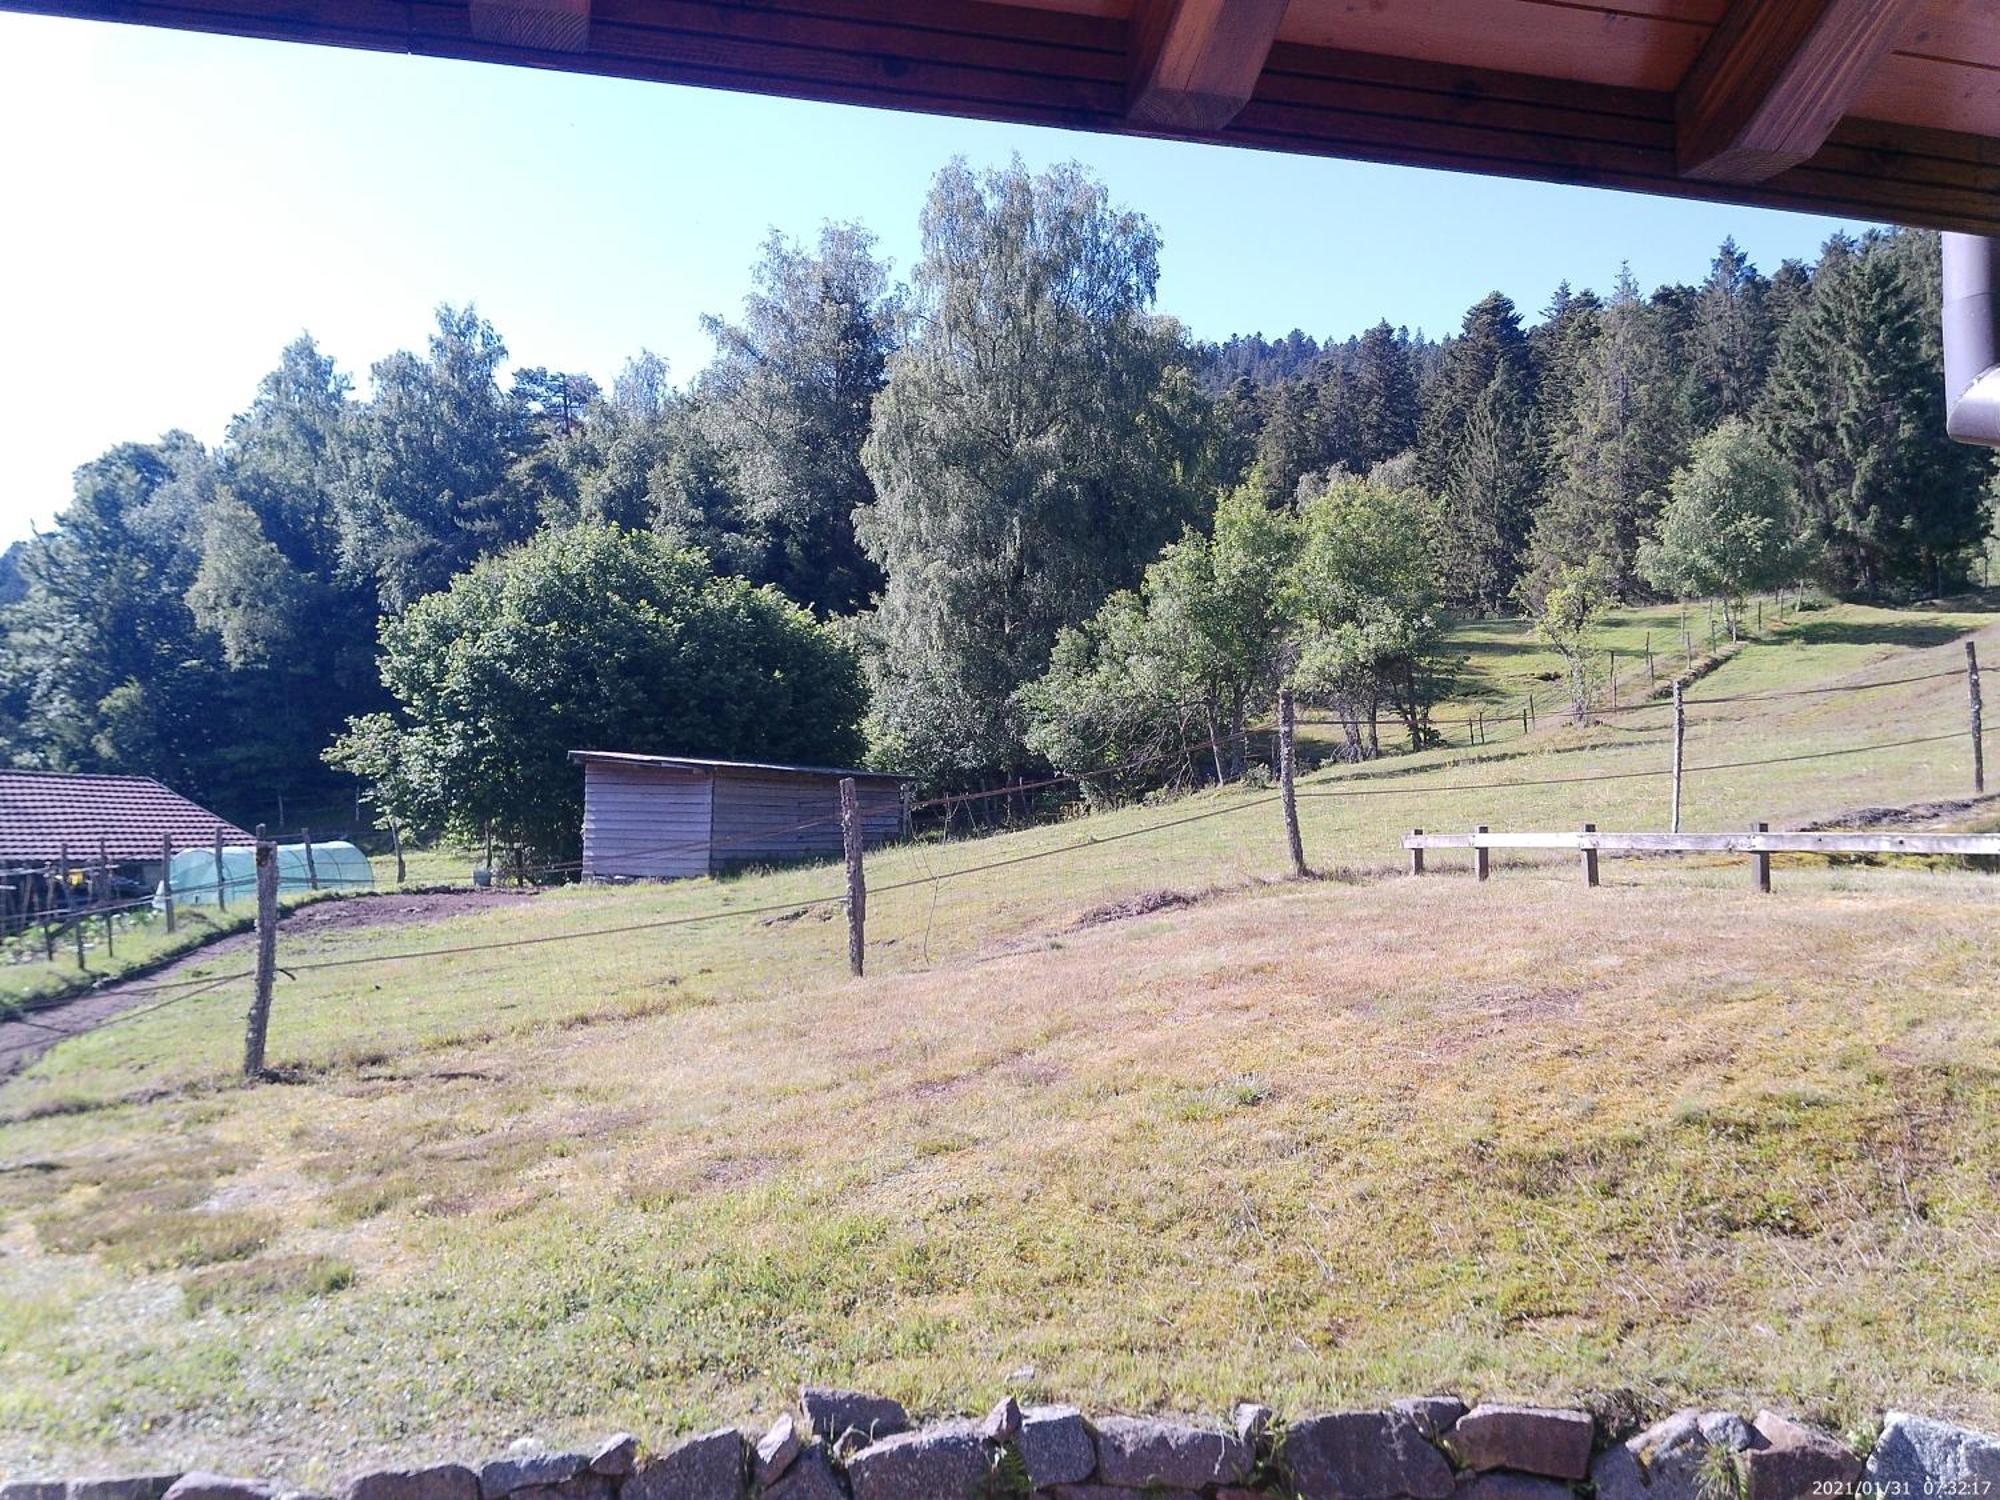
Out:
{"x": 1928, "y": 1487}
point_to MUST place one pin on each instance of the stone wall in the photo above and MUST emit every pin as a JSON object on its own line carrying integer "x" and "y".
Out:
{"x": 841, "y": 1445}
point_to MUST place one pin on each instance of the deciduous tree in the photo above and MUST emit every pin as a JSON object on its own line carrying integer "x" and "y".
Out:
{"x": 1039, "y": 438}
{"x": 590, "y": 638}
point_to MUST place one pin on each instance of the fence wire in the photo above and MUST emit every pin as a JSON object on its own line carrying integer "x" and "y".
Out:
{"x": 169, "y": 992}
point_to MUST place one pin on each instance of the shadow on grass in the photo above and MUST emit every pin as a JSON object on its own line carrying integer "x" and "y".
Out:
{"x": 1912, "y": 633}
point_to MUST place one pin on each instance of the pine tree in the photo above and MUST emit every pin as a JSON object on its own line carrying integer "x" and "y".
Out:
{"x": 1489, "y": 341}
{"x": 1730, "y": 340}
{"x": 1559, "y": 344}
{"x": 1622, "y": 438}
{"x": 1855, "y": 404}
{"x": 1382, "y": 397}
{"x": 1337, "y": 420}
{"x": 1293, "y": 441}
{"x": 1488, "y": 496}
{"x": 787, "y": 400}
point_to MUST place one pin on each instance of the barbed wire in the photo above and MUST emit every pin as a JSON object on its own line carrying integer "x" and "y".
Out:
{"x": 1735, "y": 765}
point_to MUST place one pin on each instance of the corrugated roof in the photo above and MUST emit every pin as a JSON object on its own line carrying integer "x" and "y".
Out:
{"x": 695, "y": 763}
{"x": 42, "y": 811}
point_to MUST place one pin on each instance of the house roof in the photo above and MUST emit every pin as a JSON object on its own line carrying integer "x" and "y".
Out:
{"x": 1883, "y": 109}
{"x": 696, "y": 763}
{"x": 44, "y": 812}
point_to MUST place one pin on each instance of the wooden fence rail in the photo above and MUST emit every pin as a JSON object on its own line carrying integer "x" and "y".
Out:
{"x": 1760, "y": 843}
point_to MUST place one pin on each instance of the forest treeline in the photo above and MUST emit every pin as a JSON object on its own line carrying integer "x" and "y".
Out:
{"x": 1001, "y": 515}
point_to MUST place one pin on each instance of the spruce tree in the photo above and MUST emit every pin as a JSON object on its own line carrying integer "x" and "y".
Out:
{"x": 1855, "y": 404}
{"x": 1382, "y": 397}
{"x": 1476, "y": 453}
{"x": 1729, "y": 342}
{"x": 1623, "y": 435}
{"x": 1488, "y": 496}
{"x": 1293, "y": 442}
{"x": 1559, "y": 344}
{"x": 1490, "y": 341}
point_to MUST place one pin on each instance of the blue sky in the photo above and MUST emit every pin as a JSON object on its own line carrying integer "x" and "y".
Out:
{"x": 178, "y": 206}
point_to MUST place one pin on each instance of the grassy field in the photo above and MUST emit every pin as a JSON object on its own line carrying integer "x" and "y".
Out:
{"x": 1142, "y": 1125}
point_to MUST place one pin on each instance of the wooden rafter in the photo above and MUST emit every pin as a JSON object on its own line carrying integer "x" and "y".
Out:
{"x": 1195, "y": 63}
{"x": 1775, "y": 78}
{"x": 1071, "y": 70}
{"x": 541, "y": 25}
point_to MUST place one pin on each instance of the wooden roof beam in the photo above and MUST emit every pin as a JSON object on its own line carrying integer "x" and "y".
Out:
{"x": 1195, "y": 63}
{"x": 1775, "y": 78}
{"x": 541, "y": 25}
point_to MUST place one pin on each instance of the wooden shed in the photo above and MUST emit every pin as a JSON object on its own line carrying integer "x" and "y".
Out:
{"x": 660, "y": 817}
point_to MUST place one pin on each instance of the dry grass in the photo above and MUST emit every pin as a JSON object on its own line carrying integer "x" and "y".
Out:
{"x": 1324, "y": 1142}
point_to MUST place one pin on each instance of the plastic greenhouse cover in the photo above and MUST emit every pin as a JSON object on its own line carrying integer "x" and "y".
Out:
{"x": 340, "y": 866}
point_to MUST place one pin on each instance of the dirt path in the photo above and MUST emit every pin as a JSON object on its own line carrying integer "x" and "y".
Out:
{"x": 24, "y": 1039}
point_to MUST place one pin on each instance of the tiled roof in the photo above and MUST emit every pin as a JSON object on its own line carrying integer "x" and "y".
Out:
{"x": 42, "y": 811}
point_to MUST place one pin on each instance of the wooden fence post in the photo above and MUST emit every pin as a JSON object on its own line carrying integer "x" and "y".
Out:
{"x": 167, "y": 876}
{"x": 312, "y": 870}
{"x": 1416, "y": 855}
{"x": 1287, "y": 769}
{"x": 1978, "y": 729}
{"x": 1613, "y": 655}
{"x": 1760, "y": 864}
{"x": 1481, "y": 863}
{"x": 396, "y": 843}
{"x": 104, "y": 895}
{"x": 1649, "y": 658}
{"x": 221, "y": 876}
{"x": 1590, "y": 859}
{"x": 267, "y": 956}
{"x": 857, "y": 886}
{"x": 1680, "y": 737}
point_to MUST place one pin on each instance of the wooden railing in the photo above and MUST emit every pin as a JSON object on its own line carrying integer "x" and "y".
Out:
{"x": 1759, "y": 843}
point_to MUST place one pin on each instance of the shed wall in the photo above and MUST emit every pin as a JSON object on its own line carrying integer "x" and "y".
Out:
{"x": 649, "y": 822}
{"x": 757, "y": 817}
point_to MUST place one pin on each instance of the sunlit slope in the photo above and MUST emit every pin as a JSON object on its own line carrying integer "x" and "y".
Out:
{"x": 1321, "y": 1142}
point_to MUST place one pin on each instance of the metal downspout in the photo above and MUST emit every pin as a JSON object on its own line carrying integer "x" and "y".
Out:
{"x": 1972, "y": 338}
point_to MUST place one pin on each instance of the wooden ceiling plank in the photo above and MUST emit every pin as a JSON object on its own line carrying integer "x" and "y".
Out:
{"x": 1588, "y": 44}
{"x": 929, "y": 58}
{"x": 1195, "y": 63}
{"x": 1775, "y": 78}
{"x": 542, "y": 25}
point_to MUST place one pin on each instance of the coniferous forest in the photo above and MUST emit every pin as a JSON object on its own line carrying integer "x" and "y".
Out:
{"x": 1001, "y": 515}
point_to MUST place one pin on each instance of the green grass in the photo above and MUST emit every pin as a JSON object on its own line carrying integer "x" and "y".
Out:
{"x": 422, "y": 868}
{"x": 140, "y": 942}
{"x": 1324, "y": 1142}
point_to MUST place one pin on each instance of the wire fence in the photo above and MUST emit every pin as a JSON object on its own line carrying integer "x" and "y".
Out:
{"x": 153, "y": 995}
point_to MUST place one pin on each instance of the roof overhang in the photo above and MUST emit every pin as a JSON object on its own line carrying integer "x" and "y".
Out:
{"x": 703, "y": 766}
{"x": 1881, "y": 109}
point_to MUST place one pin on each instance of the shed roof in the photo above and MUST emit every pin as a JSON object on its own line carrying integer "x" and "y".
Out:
{"x": 697, "y": 763}
{"x": 42, "y": 812}
{"x": 1888, "y": 109}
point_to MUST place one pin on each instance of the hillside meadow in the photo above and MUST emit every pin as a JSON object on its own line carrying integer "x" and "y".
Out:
{"x": 1126, "y": 1118}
